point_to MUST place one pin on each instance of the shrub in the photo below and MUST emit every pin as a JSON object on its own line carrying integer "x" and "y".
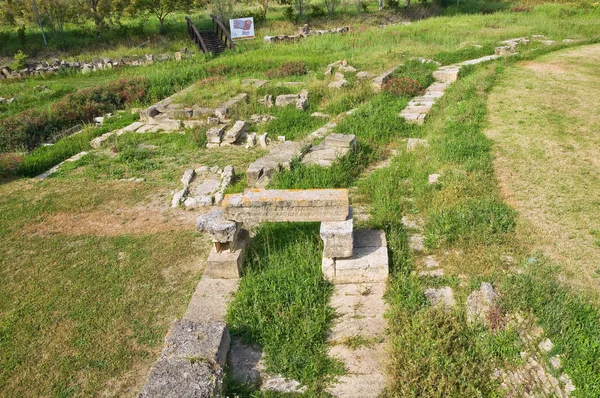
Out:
{"x": 392, "y": 4}
{"x": 403, "y": 87}
{"x": 317, "y": 11}
{"x": 28, "y": 129}
{"x": 288, "y": 69}
{"x": 9, "y": 164}
{"x": 20, "y": 61}
{"x": 288, "y": 13}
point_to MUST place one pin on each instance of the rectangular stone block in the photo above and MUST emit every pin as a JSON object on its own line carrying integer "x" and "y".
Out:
{"x": 210, "y": 299}
{"x": 338, "y": 237}
{"x": 340, "y": 140}
{"x": 261, "y": 205}
{"x": 227, "y": 264}
{"x": 446, "y": 74}
{"x": 214, "y": 134}
{"x": 369, "y": 262}
{"x": 189, "y": 339}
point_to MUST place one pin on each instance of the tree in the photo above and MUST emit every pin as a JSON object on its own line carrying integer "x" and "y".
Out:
{"x": 162, "y": 8}
{"x": 223, "y": 9}
{"x": 331, "y": 4}
{"x": 264, "y": 4}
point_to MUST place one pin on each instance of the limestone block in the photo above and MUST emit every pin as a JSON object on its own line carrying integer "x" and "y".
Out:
{"x": 286, "y": 99}
{"x": 302, "y": 103}
{"x": 178, "y": 196}
{"x": 328, "y": 268}
{"x": 369, "y": 261}
{"x": 188, "y": 176}
{"x": 227, "y": 264}
{"x": 504, "y": 50}
{"x": 380, "y": 80}
{"x": 261, "y": 205}
{"x": 221, "y": 229}
{"x": 238, "y": 130}
{"x": 132, "y": 127}
{"x": 214, "y": 134}
{"x": 198, "y": 201}
{"x": 338, "y": 237}
{"x": 433, "y": 179}
{"x": 338, "y": 83}
{"x": 210, "y": 299}
{"x": 446, "y": 74}
{"x": 182, "y": 377}
{"x": 189, "y": 339}
{"x": 340, "y": 140}
{"x": 347, "y": 69}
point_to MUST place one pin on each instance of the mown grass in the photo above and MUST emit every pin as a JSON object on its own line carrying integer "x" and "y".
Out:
{"x": 64, "y": 281}
{"x": 282, "y": 303}
{"x": 78, "y": 310}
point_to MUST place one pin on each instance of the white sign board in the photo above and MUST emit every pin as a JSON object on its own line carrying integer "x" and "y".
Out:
{"x": 242, "y": 28}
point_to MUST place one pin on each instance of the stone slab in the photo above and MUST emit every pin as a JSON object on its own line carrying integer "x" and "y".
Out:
{"x": 261, "y": 205}
{"x": 210, "y": 299}
{"x": 340, "y": 140}
{"x": 219, "y": 227}
{"x": 369, "y": 261}
{"x": 338, "y": 237}
{"x": 182, "y": 378}
{"x": 208, "y": 341}
{"x": 227, "y": 264}
{"x": 446, "y": 74}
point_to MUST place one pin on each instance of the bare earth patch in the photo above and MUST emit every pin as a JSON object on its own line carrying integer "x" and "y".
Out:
{"x": 545, "y": 123}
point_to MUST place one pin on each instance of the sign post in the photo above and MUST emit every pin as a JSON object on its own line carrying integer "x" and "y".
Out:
{"x": 242, "y": 28}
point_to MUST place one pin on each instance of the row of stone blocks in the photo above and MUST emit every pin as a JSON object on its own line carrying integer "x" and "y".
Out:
{"x": 348, "y": 256}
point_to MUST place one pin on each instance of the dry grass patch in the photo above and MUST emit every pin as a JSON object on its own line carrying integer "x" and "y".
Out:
{"x": 544, "y": 121}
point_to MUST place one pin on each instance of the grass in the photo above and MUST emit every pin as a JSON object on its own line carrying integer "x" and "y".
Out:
{"x": 282, "y": 303}
{"x": 95, "y": 269}
{"x": 544, "y": 132}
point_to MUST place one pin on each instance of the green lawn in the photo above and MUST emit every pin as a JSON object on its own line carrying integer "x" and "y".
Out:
{"x": 94, "y": 269}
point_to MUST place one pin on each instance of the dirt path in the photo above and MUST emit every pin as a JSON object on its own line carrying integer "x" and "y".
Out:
{"x": 544, "y": 119}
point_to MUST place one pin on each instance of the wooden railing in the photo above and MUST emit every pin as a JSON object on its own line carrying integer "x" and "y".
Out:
{"x": 222, "y": 32}
{"x": 195, "y": 35}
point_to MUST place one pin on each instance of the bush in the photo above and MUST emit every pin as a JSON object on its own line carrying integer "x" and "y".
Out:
{"x": 288, "y": 13}
{"x": 288, "y": 69}
{"x": 403, "y": 87}
{"x": 28, "y": 129}
{"x": 317, "y": 11}
{"x": 20, "y": 61}
{"x": 10, "y": 163}
{"x": 392, "y": 4}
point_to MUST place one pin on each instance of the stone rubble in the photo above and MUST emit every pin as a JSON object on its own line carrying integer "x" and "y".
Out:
{"x": 304, "y": 33}
{"x": 480, "y": 304}
{"x": 203, "y": 187}
{"x": 56, "y": 65}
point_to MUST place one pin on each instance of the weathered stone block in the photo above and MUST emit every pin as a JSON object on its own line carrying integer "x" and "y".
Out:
{"x": 214, "y": 134}
{"x": 328, "y": 269}
{"x": 204, "y": 341}
{"x": 338, "y": 237}
{"x": 340, "y": 140}
{"x": 380, "y": 80}
{"x": 260, "y": 205}
{"x": 183, "y": 378}
{"x": 369, "y": 262}
{"x": 447, "y": 74}
{"x": 221, "y": 229}
{"x": 238, "y": 130}
{"x": 286, "y": 99}
{"x": 228, "y": 264}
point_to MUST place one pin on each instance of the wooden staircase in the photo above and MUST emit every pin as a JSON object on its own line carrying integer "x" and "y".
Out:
{"x": 213, "y": 41}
